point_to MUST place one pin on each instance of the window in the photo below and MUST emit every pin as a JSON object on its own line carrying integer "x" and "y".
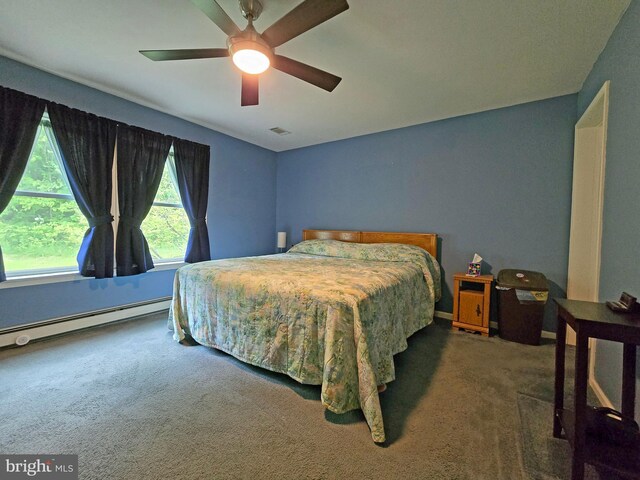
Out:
{"x": 42, "y": 227}
{"x": 166, "y": 228}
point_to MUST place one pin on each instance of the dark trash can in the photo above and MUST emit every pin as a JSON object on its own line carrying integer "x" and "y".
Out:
{"x": 522, "y": 295}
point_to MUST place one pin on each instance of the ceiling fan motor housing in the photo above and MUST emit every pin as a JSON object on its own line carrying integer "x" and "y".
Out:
{"x": 248, "y": 38}
{"x": 251, "y": 8}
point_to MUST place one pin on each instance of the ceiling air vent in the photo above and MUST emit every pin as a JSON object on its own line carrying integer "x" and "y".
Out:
{"x": 280, "y": 131}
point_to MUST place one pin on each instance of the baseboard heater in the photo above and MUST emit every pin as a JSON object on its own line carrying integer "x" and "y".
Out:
{"x": 23, "y": 334}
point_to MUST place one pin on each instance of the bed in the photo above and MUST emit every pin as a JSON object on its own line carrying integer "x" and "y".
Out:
{"x": 332, "y": 311}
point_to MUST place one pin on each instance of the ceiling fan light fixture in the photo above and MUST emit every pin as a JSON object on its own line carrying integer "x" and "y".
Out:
{"x": 249, "y": 52}
{"x": 250, "y": 57}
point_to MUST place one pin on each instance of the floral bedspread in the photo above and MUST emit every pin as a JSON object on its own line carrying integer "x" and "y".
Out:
{"x": 326, "y": 313}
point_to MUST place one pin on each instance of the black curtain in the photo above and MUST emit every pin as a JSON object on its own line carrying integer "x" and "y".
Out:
{"x": 141, "y": 158}
{"x": 87, "y": 145}
{"x": 192, "y": 169}
{"x": 20, "y": 115}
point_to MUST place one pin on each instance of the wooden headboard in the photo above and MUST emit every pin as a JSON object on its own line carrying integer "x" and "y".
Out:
{"x": 428, "y": 241}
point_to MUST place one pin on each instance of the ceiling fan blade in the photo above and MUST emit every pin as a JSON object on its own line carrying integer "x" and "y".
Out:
{"x": 186, "y": 54}
{"x": 315, "y": 76}
{"x": 305, "y": 16}
{"x": 250, "y": 85}
{"x": 214, "y": 11}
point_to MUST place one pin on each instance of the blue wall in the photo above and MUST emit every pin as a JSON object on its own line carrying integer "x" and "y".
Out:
{"x": 620, "y": 63}
{"x": 497, "y": 183}
{"x": 241, "y": 213}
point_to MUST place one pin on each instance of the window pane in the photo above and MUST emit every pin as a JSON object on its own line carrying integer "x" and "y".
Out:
{"x": 41, "y": 233}
{"x": 43, "y": 172}
{"x": 167, "y": 232}
{"x": 167, "y": 228}
{"x": 167, "y": 191}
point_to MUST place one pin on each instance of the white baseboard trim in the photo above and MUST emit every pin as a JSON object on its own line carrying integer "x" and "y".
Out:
{"x": 548, "y": 334}
{"x": 494, "y": 325}
{"x": 87, "y": 321}
{"x": 597, "y": 389}
{"x": 443, "y": 315}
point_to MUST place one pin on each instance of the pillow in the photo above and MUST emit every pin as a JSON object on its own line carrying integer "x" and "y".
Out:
{"x": 379, "y": 252}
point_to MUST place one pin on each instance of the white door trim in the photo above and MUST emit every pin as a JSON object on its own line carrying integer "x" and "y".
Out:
{"x": 597, "y": 115}
{"x": 590, "y": 129}
{"x": 590, "y": 133}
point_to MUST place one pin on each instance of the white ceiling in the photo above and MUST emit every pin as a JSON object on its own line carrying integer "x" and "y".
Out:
{"x": 403, "y": 62}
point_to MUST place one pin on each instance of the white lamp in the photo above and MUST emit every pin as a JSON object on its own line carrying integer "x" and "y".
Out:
{"x": 282, "y": 241}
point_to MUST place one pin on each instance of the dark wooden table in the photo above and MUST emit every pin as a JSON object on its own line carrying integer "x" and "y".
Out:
{"x": 595, "y": 320}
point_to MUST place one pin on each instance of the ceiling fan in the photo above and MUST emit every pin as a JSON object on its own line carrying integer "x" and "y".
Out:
{"x": 253, "y": 52}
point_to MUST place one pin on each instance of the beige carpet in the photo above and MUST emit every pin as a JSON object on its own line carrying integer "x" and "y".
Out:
{"x": 135, "y": 405}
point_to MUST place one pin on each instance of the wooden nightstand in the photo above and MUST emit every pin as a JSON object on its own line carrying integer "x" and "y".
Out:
{"x": 471, "y": 302}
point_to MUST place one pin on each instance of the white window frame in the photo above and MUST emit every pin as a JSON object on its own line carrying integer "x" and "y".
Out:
{"x": 70, "y": 274}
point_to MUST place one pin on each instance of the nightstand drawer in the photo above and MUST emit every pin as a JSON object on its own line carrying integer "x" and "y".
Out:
{"x": 471, "y": 307}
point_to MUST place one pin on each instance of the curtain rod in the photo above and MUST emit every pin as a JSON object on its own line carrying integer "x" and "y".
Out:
{"x": 117, "y": 122}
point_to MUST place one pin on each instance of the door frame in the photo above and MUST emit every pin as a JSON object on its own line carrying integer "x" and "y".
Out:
{"x": 596, "y": 118}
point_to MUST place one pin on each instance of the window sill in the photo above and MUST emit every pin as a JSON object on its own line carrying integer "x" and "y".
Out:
{"x": 29, "y": 280}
